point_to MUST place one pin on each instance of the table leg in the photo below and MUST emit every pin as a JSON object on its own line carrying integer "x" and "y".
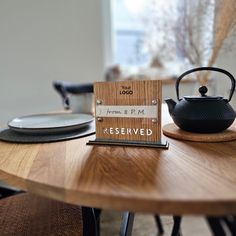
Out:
{"x": 159, "y": 225}
{"x": 97, "y": 213}
{"x": 230, "y": 221}
{"x": 176, "y": 227}
{"x": 89, "y": 222}
{"x": 215, "y": 225}
{"x": 127, "y": 224}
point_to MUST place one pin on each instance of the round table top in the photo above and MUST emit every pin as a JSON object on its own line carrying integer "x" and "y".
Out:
{"x": 188, "y": 178}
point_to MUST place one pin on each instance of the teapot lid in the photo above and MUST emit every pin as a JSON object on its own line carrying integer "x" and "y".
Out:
{"x": 202, "y": 90}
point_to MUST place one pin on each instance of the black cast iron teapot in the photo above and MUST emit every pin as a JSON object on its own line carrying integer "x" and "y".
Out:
{"x": 202, "y": 114}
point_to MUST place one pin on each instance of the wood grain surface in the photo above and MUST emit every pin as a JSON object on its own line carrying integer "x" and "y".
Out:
{"x": 188, "y": 178}
{"x": 143, "y": 93}
{"x": 171, "y": 130}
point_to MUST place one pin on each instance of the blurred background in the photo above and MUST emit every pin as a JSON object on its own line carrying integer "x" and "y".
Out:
{"x": 87, "y": 41}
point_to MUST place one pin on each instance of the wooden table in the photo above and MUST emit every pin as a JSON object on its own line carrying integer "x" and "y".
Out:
{"x": 188, "y": 178}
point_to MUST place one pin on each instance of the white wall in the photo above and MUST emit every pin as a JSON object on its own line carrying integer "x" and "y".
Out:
{"x": 42, "y": 41}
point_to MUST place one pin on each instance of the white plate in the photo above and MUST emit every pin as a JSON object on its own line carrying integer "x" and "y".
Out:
{"x": 50, "y": 123}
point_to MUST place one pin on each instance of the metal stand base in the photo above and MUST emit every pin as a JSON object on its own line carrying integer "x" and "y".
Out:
{"x": 128, "y": 143}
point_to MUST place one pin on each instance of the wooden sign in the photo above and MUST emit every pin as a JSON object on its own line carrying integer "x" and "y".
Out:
{"x": 128, "y": 112}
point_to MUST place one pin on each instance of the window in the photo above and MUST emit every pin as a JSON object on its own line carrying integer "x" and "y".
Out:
{"x": 130, "y": 19}
{"x": 128, "y": 32}
{"x": 146, "y": 29}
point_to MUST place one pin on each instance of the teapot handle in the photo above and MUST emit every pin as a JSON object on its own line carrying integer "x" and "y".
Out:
{"x": 207, "y": 68}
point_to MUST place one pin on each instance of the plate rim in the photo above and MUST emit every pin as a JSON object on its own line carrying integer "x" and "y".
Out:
{"x": 27, "y": 129}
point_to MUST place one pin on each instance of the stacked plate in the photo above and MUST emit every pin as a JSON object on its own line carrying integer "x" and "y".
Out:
{"x": 53, "y": 127}
{"x": 50, "y": 123}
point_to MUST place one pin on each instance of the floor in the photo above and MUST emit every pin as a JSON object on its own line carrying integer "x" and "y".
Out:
{"x": 144, "y": 225}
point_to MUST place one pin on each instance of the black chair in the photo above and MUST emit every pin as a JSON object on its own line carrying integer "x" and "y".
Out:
{"x": 6, "y": 191}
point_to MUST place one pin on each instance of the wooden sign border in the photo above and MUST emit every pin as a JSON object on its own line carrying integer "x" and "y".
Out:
{"x": 125, "y": 96}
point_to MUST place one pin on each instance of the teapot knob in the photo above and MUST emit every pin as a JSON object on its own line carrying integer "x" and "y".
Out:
{"x": 203, "y": 90}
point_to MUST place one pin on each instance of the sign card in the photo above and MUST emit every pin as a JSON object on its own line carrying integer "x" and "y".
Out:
{"x": 128, "y": 112}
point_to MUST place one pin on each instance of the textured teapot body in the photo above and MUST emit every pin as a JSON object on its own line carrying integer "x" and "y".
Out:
{"x": 202, "y": 114}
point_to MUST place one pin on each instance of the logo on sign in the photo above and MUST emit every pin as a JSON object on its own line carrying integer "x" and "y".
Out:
{"x": 126, "y": 90}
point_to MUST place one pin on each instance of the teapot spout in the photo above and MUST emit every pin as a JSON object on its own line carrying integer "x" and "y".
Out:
{"x": 171, "y": 104}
